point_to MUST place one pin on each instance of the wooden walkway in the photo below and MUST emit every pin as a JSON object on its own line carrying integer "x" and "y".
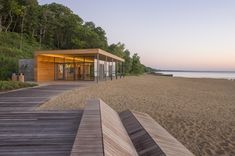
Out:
{"x": 89, "y": 136}
{"x": 38, "y": 133}
{"x": 28, "y": 99}
{"x": 143, "y": 142}
{"x": 104, "y": 132}
{"x": 101, "y": 133}
{"x": 97, "y": 130}
{"x": 115, "y": 138}
{"x": 149, "y": 137}
{"x": 24, "y": 132}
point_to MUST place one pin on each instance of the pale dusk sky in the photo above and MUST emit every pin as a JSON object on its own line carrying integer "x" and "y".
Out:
{"x": 167, "y": 34}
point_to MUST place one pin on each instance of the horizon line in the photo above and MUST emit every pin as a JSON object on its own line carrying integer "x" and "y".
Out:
{"x": 181, "y": 70}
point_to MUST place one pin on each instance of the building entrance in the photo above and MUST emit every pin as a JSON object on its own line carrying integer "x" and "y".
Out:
{"x": 74, "y": 71}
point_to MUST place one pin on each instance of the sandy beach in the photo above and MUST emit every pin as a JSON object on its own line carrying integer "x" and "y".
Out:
{"x": 200, "y": 113}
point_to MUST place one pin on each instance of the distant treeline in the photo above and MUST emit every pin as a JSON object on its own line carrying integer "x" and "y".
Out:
{"x": 26, "y": 26}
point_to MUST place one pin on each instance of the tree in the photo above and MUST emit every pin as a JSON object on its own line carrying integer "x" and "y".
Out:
{"x": 92, "y": 37}
{"x": 56, "y": 27}
{"x": 128, "y": 61}
{"x": 137, "y": 67}
{"x": 13, "y": 9}
{"x": 1, "y": 7}
{"x": 117, "y": 49}
{"x": 31, "y": 20}
{"x": 22, "y": 14}
{"x": 132, "y": 65}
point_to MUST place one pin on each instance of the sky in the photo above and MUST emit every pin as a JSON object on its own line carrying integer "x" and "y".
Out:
{"x": 167, "y": 34}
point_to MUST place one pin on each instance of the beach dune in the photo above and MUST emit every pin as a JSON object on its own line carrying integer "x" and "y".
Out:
{"x": 200, "y": 113}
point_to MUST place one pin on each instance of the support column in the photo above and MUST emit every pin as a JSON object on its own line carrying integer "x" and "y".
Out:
{"x": 116, "y": 68}
{"x": 64, "y": 69}
{"x": 74, "y": 69}
{"x": 97, "y": 70}
{"x": 54, "y": 70}
{"x": 83, "y": 68}
{"x": 123, "y": 70}
{"x": 105, "y": 68}
{"x": 120, "y": 69}
{"x": 112, "y": 71}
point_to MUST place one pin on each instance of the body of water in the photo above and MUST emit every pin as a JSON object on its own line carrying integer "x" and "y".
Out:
{"x": 197, "y": 74}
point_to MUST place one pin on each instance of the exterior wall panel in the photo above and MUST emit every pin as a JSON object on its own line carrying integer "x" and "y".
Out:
{"x": 26, "y": 66}
{"x": 45, "y": 69}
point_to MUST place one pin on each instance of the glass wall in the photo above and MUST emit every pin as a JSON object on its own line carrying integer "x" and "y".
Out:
{"x": 74, "y": 68}
{"x": 106, "y": 69}
{"x": 59, "y": 70}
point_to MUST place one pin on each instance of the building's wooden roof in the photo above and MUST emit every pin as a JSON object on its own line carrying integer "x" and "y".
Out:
{"x": 80, "y": 52}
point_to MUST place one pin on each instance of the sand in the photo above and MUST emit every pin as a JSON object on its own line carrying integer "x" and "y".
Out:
{"x": 200, "y": 113}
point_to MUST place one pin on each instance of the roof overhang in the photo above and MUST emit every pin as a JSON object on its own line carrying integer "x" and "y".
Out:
{"x": 91, "y": 52}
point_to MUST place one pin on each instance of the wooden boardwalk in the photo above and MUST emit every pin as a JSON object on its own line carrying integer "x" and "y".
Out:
{"x": 89, "y": 139}
{"x": 143, "y": 142}
{"x": 38, "y": 133}
{"x": 28, "y": 99}
{"x": 97, "y": 130}
{"x": 24, "y": 132}
{"x": 151, "y": 131}
{"x": 105, "y": 132}
{"x": 115, "y": 138}
{"x": 101, "y": 133}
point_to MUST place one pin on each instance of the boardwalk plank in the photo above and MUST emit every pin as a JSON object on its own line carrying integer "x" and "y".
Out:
{"x": 41, "y": 135}
{"x": 116, "y": 139}
{"x": 167, "y": 143}
{"x": 89, "y": 136}
{"x": 25, "y": 132}
{"x": 143, "y": 142}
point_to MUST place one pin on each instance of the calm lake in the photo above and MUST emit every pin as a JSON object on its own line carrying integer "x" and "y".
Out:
{"x": 199, "y": 74}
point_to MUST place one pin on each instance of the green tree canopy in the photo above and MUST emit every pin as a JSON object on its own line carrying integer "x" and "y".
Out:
{"x": 52, "y": 26}
{"x": 137, "y": 67}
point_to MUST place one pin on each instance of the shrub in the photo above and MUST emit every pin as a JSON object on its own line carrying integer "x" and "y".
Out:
{"x": 8, "y": 65}
{"x": 10, "y": 52}
{"x": 10, "y": 85}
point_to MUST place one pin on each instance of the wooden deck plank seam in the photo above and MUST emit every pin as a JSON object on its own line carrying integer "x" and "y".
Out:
{"x": 102, "y": 135}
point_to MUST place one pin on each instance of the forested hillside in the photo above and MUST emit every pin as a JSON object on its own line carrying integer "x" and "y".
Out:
{"x": 26, "y": 26}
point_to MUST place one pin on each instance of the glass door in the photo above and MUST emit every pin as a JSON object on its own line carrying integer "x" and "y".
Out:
{"x": 74, "y": 71}
{"x": 59, "y": 71}
{"x": 69, "y": 71}
{"x": 89, "y": 71}
{"x": 79, "y": 71}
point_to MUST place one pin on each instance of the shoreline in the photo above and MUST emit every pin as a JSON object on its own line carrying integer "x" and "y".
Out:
{"x": 200, "y": 113}
{"x": 184, "y": 77}
{"x": 199, "y": 74}
{"x": 230, "y": 79}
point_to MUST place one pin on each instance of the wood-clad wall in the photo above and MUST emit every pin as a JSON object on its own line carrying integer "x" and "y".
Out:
{"x": 44, "y": 68}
